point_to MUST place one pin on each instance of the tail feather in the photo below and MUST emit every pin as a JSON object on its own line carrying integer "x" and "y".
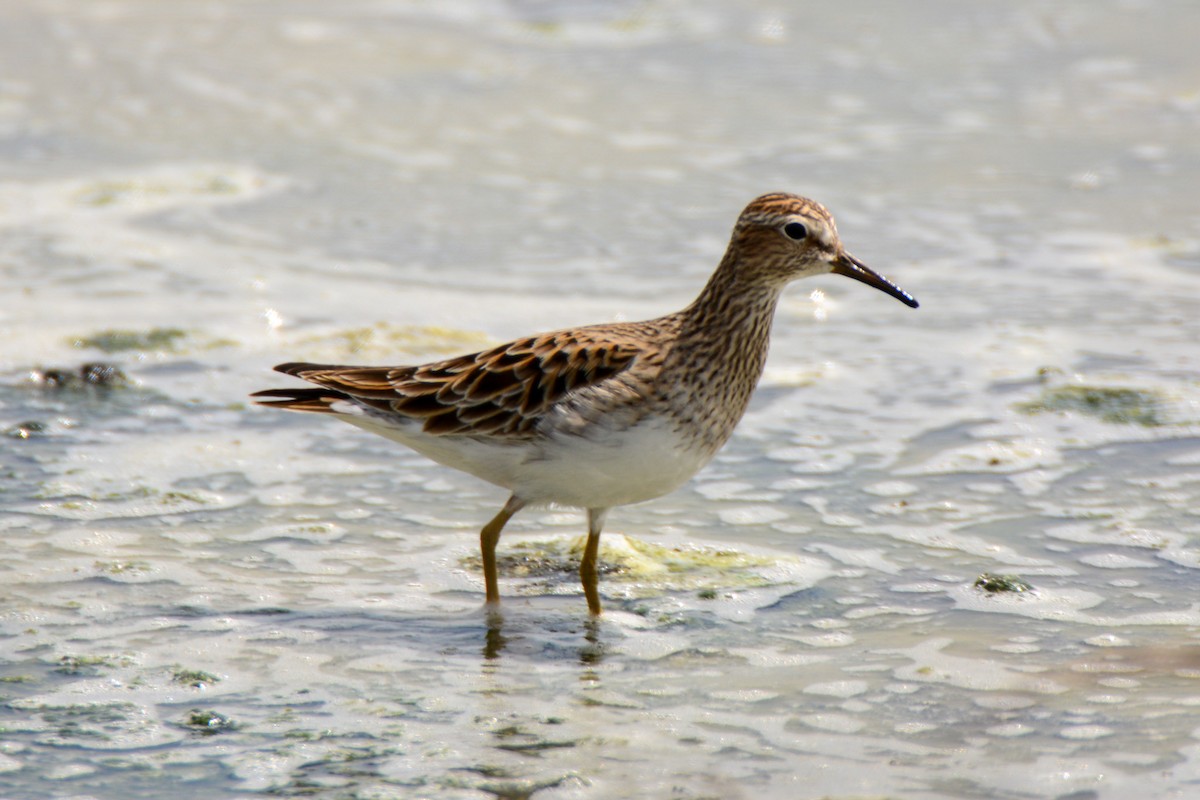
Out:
{"x": 318, "y": 400}
{"x": 297, "y": 368}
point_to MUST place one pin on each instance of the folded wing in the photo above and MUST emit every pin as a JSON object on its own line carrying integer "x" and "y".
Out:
{"x": 497, "y": 392}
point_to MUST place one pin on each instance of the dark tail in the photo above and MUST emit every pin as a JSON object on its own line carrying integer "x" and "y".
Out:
{"x": 318, "y": 400}
{"x": 298, "y": 368}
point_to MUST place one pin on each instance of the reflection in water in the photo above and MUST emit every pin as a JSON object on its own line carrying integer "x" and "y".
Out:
{"x": 590, "y": 653}
{"x": 494, "y": 640}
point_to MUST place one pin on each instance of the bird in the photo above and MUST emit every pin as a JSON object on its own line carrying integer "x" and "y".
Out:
{"x": 604, "y": 415}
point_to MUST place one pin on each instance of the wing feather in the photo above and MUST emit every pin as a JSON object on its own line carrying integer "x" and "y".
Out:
{"x": 497, "y": 392}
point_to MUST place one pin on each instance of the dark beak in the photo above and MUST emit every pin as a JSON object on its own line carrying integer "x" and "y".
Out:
{"x": 851, "y": 267}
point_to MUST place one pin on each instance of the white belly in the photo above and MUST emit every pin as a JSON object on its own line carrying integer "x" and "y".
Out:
{"x": 619, "y": 467}
{"x": 629, "y": 466}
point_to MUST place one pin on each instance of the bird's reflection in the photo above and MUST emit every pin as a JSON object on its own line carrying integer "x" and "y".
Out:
{"x": 591, "y": 652}
{"x": 494, "y": 640}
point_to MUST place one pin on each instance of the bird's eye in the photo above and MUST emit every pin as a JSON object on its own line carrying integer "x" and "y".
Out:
{"x": 795, "y": 230}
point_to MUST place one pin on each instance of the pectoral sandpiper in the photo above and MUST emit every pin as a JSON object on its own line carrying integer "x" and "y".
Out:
{"x": 602, "y": 415}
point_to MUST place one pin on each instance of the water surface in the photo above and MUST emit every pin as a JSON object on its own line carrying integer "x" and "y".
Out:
{"x": 201, "y": 598}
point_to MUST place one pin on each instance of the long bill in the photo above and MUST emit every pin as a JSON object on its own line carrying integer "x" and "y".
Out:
{"x": 851, "y": 267}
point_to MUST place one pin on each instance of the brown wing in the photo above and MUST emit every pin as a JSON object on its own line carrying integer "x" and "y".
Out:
{"x": 498, "y": 392}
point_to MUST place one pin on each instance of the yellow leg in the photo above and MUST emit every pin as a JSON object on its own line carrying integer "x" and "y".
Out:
{"x": 591, "y": 554}
{"x": 488, "y": 538}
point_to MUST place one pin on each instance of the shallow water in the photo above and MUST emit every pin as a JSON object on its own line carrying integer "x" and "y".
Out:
{"x": 206, "y": 599}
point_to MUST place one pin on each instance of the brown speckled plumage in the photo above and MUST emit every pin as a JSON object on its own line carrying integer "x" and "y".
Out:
{"x": 545, "y": 415}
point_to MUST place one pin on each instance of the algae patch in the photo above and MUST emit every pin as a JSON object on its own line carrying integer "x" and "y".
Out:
{"x": 998, "y": 584}
{"x": 1110, "y": 404}
{"x": 157, "y": 189}
{"x": 207, "y": 723}
{"x": 90, "y": 665}
{"x": 195, "y": 678}
{"x": 118, "y": 340}
{"x": 70, "y": 501}
{"x": 121, "y": 567}
{"x": 385, "y": 341}
{"x": 643, "y": 569}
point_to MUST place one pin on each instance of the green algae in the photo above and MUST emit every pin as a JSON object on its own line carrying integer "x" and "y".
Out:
{"x": 1111, "y": 404}
{"x": 177, "y": 498}
{"x": 56, "y": 494}
{"x": 207, "y": 723}
{"x": 102, "y": 193}
{"x": 195, "y": 678}
{"x": 119, "y": 340}
{"x": 122, "y": 567}
{"x": 385, "y": 340}
{"x": 997, "y": 584}
{"x": 90, "y": 665}
{"x": 643, "y": 569}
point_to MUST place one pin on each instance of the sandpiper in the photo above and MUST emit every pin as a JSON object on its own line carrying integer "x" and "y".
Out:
{"x": 603, "y": 415}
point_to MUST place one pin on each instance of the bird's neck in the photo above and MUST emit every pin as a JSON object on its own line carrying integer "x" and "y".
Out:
{"x": 732, "y": 314}
{"x": 721, "y": 349}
